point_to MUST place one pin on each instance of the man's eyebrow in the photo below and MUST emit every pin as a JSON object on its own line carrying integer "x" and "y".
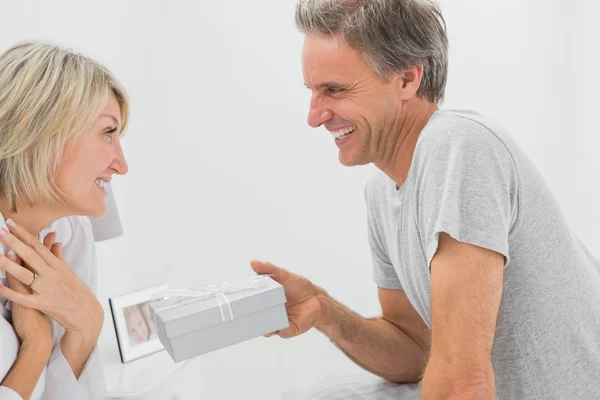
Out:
{"x": 325, "y": 85}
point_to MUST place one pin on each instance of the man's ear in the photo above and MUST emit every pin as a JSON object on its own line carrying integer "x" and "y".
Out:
{"x": 409, "y": 82}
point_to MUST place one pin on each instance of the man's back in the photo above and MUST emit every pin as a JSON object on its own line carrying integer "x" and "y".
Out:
{"x": 470, "y": 180}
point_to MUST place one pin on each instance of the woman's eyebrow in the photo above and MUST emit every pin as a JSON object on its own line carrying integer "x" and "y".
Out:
{"x": 111, "y": 117}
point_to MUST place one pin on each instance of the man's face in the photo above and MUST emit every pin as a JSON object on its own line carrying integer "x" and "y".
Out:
{"x": 349, "y": 99}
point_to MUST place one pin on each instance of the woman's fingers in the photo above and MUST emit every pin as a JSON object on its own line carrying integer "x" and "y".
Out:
{"x": 57, "y": 251}
{"x": 15, "y": 285}
{"x": 22, "y": 274}
{"x": 55, "y": 248}
{"x": 32, "y": 251}
{"x": 23, "y": 299}
{"x": 13, "y": 282}
{"x": 49, "y": 240}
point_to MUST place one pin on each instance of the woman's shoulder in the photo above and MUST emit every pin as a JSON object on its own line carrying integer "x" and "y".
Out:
{"x": 70, "y": 229}
{"x": 75, "y": 234}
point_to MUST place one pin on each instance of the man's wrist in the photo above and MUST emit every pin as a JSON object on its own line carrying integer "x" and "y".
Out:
{"x": 324, "y": 320}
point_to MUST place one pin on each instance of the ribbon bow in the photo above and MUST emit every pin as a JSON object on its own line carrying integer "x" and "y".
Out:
{"x": 205, "y": 291}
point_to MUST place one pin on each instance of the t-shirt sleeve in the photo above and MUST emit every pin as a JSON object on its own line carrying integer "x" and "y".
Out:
{"x": 466, "y": 186}
{"x": 384, "y": 274}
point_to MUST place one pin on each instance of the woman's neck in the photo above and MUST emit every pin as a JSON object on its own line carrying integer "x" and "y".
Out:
{"x": 34, "y": 219}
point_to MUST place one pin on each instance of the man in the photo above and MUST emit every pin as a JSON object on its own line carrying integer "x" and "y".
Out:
{"x": 484, "y": 290}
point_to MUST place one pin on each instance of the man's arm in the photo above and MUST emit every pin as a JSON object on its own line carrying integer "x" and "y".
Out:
{"x": 466, "y": 290}
{"x": 394, "y": 346}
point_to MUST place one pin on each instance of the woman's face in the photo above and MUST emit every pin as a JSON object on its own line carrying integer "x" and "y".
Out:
{"x": 91, "y": 162}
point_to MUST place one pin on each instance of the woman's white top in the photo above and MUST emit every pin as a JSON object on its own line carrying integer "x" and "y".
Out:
{"x": 57, "y": 381}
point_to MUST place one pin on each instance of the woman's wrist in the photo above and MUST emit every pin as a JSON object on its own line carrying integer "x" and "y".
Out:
{"x": 88, "y": 335}
{"x": 32, "y": 346}
{"x": 78, "y": 341}
{"x": 76, "y": 348}
{"x": 28, "y": 367}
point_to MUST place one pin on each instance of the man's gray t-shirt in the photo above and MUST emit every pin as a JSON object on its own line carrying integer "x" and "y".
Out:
{"x": 470, "y": 180}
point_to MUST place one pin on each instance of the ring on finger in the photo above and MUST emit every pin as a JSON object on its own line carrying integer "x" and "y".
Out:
{"x": 35, "y": 276}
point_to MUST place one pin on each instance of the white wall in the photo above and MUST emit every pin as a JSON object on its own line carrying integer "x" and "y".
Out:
{"x": 582, "y": 123}
{"x": 223, "y": 167}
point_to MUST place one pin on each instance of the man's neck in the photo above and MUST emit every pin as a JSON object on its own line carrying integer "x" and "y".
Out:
{"x": 34, "y": 219}
{"x": 413, "y": 118}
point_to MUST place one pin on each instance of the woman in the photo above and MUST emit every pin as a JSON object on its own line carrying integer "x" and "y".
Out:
{"x": 61, "y": 118}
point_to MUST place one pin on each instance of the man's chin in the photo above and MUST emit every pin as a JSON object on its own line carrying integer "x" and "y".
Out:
{"x": 350, "y": 160}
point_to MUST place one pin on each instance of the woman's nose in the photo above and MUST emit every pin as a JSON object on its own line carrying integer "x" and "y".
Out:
{"x": 119, "y": 162}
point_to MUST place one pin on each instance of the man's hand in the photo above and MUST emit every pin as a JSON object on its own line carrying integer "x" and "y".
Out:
{"x": 303, "y": 304}
{"x": 394, "y": 346}
{"x": 466, "y": 290}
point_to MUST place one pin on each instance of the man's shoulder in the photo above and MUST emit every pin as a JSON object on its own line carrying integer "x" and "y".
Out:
{"x": 456, "y": 136}
{"x": 461, "y": 129}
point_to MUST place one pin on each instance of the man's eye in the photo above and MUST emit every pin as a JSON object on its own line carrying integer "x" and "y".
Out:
{"x": 333, "y": 90}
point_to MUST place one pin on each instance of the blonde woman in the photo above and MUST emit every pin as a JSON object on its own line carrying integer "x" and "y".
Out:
{"x": 61, "y": 118}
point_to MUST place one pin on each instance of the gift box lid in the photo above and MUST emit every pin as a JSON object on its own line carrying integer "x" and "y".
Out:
{"x": 181, "y": 315}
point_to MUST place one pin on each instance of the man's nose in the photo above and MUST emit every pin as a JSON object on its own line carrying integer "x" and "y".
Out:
{"x": 318, "y": 113}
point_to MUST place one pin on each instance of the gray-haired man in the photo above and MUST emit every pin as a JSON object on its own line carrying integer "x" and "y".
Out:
{"x": 484, "y": 290}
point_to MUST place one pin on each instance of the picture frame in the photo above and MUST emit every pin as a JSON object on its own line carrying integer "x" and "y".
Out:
{"x": 136, "y": 332}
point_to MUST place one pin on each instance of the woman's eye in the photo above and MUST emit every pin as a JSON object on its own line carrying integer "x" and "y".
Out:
{"x": 109, "y": 133}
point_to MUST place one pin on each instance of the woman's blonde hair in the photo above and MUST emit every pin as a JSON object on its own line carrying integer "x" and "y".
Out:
{"x": 48, "y": 97}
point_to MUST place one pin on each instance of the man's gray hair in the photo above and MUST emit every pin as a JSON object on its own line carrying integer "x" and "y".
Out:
{"x": 392, "y": 35}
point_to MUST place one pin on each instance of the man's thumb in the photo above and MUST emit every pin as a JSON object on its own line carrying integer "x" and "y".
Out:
{"x": 260, "y": 267}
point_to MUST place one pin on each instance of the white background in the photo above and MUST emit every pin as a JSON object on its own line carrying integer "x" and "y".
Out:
{"x": 224, "y": 168}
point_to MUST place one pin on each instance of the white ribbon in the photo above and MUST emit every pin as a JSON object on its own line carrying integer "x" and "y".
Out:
{"x": 201, "y": 291}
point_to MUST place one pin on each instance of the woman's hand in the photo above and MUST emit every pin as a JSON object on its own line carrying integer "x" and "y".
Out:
{"x": 303, "y": 299}
{"x": 57, "y": 291}
{"x": 33, "y": 329}
{"x": 30, "y": 325}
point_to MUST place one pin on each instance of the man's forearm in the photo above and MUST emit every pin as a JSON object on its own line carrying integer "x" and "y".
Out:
{"x": 27, "y": 369}
{"x": 375, "y": 344}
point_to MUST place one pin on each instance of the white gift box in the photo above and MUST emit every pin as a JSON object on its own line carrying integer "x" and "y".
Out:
{"x": 202, "y": 318}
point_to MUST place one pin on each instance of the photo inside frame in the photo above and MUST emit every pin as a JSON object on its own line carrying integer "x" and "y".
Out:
{"x": 139, "y": 324}
{"x": 136, "y": 332}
